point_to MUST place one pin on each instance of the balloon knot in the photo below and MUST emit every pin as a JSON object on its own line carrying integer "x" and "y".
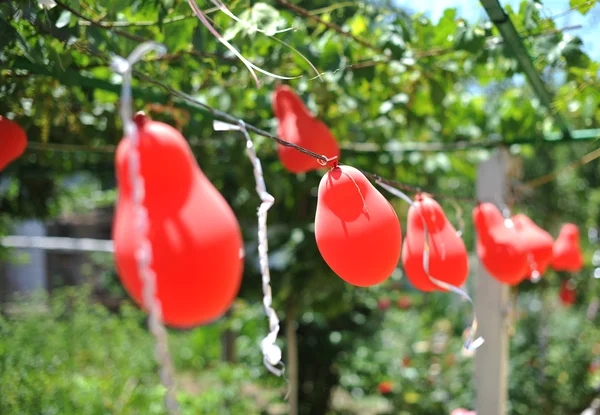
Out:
{"x": 140, "y": 118}
{"x": 332, "y": 162}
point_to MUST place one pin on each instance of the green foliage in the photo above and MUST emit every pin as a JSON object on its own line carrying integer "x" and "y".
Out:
{"x": 76, "y": 357}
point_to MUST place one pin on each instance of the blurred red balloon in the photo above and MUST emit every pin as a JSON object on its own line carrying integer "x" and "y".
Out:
{"x": 448, "y": 260}
{"x": 13, "y": 141}
{"x": 567, "y": 293}
{"x": 462, "y": 411}
{"x": 298, "y": 126}
{"x": 566, "y": 252}
{"x": 537, "y": 242}
{"x": 197, "y": 251}
{"x": 499, "y": 248}
{"x": 356, "y": 228}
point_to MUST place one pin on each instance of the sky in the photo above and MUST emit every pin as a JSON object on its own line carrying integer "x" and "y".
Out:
{"x": 472, "y": 10}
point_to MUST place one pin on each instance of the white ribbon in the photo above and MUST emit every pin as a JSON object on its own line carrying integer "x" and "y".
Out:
{"x": 271, "y": 352}
{"x": 143, "y": 255}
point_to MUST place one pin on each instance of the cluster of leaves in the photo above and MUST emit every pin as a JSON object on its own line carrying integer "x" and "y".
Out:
{"x": 72, "y": 356}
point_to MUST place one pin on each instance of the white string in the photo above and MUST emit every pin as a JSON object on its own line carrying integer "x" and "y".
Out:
{"x": 471, "y": 343}
{"x": 271, "y": 352}
{"x": 143, "y": 255}
{"x": 221, "y": 6}
{"x": 251, "y": 67}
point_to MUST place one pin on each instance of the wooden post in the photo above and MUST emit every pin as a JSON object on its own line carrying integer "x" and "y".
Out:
{"x": 491, "y": 303}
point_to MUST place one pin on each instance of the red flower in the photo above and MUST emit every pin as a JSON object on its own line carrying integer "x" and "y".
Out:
{"x": 385, "y": 387}
{"x": 384, "y": 303}
{"x": 404, "y": 302}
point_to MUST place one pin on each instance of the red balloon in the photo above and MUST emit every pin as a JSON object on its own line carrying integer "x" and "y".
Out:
{"x": 499, "y": 248}
{"x": 567, "y": 293}
{"x": 13, "y": 141}
{"x": 357, "y": 230}
{"x": 298, "y": 126}
{"x": 537, "y": 242}
{"x": 566, "y": 252}
{"x": 448, "y": 260}
{"x": 197, "y": 248}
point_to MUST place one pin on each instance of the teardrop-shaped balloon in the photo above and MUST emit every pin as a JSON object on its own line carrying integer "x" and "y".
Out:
{"x": 357, "y": 230}
{"x": 197, "y": 251}
{"x": 536, "y": 241}
{"x": 566, "y": 252}
{"x": 448, "y": 260}
{"x": 298, "y": 126}
{"x": 13, "y": 141}
{"x": 499, "y": 248}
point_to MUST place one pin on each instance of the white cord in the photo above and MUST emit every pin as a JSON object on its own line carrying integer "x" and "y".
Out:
{"x": 271, "y": 352}
{"x": 143, "y": 255}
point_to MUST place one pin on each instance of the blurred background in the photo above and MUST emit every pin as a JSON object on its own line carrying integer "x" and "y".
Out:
{"x": 417, "y": 93}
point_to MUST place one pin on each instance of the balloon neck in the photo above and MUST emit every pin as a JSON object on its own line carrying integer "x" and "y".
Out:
{"x": 140, "y": 119}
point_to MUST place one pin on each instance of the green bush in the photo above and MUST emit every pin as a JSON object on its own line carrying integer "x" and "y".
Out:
{"x": 78, "y": 358}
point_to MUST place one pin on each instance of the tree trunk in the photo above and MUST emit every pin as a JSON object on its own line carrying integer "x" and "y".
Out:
{"x": 228, "y": 338}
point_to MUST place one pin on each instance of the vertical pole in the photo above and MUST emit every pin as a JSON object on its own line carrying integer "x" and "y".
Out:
{"x": 491, "y": 303}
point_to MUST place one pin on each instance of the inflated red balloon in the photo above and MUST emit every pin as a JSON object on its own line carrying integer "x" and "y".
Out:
{"x": 357, "y": 230}
{"x": 298, "y": 126}
{"x": 196, "y": 240}
{"x": 567, "y": 293}
{"x": 13, "y": 141}
{"x": 537, "y": 242}
{"x": 566, "y": 252}
{"x": 448, "y": 260}
{"x": 499, "y": 248}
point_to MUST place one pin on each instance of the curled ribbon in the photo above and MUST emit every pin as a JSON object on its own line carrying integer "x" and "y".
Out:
{"x": 471, "y": 343}
{"x": 271, "y": 352}
{"x": 124, "y": 66}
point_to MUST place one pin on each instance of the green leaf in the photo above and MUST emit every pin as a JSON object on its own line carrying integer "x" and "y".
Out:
{"x": 63, "y": 19}
{"x": 178, "y": 36}
{"x": 583, "y": 6}
{"x": 358, "y": 25}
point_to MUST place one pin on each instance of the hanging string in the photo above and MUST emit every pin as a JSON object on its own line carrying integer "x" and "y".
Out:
{"x": 143, "y": 255}
{"x": 471, "y": 343}
{"x": 251, "y": 67}
{"x": 271, "y": 352}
